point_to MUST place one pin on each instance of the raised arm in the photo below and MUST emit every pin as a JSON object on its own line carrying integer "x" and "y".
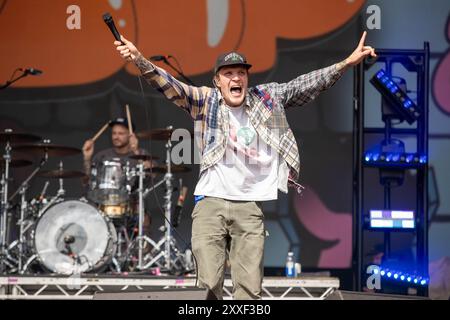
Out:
{"x": 307, "y": 87}
{"x": 190, "y": 98}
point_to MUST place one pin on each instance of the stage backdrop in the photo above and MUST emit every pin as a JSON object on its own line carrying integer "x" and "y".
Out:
{"x": 85, "y": 83}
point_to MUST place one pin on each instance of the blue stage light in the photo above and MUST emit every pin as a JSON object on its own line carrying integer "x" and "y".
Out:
{"x": 389, "y": 274}
{"x": 382, "y": 272}
{"x": 402, "y": 277}
{"x": 423, "y": 282}
{"x": 408, "y": 279}
{"x": 389, "y": 159}
{"x": 396, "y": 276}
{"x": 397, "y": 98}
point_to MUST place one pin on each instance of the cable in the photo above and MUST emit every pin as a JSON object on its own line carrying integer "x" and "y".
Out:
{"x": 188, "y": 245}
{"x": 178, "y": 64}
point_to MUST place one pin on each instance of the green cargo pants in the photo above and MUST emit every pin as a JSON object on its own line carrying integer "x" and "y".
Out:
{"x": 219, "y": 224}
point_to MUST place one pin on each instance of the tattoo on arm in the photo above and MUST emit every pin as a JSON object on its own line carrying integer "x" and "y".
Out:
{"x": 342, "y": 66}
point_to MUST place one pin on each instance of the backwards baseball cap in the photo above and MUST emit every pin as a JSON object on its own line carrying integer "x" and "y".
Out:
{"x": 231, "y": 59}
{"x": 121, "y": 121}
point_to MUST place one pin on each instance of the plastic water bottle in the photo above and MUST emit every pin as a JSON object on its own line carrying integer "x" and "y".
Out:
{"x": 290, "y": 265}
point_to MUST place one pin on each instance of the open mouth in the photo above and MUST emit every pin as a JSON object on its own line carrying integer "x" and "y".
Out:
{"x": 236, "y": 91}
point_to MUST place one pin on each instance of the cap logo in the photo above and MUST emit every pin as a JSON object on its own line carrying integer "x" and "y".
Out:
{"x": 234, "y": 57}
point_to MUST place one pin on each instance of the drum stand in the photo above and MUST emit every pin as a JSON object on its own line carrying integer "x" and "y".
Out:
{"x": 4, "y": 255}
{"x": 171, "y": 253}
{"x": 23, "y": 206}
{"x": 141, "y": 237}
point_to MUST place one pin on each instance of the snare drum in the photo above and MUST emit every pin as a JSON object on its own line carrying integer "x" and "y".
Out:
{"x": 73, "y": 236}
{"x": 109, "y": 187}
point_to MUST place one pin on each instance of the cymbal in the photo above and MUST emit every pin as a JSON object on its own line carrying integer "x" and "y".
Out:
{"x": 144, "y": 157}
{"x": 12, "y": 137}
{"x": 52, "y": 150}
{"x": 61, "y": 174}
{"x": 173, "y": 168}
{"x": 156, "y": 134}
{"x": 16, "y": 163}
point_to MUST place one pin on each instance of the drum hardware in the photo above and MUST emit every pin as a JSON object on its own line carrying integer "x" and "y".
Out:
{"x": 72, "y": 237}
{"x": 68, "y": 222}
{"x": 109, "y": 187}
{"x": 44, "y": 150}
{"x": 8, "y": 137}
{"x": 143, "y": 157}
{"x": 23, "y": 207}
{"x": 163, "y": 134}
{"x": 171, "y": 253}
{"x": 164, "y": 169}
{"x": 62, "y": 174}
{"x": 17, "y": 163}
{"x": 52, "y": 150}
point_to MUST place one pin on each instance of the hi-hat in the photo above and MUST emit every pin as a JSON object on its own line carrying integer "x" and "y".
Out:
{"x": 40, "y": 149}
{"x": 143, "y": 157}
{"x": 12, "y": 137}
{"x": 173, "y": 169}
{"x": 61, "y": 174}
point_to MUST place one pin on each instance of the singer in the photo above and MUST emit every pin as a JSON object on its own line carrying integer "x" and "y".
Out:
{"x": 248, "y": 153}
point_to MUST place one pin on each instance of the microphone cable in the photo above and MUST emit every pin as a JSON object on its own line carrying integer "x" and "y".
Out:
{"x": 161, "y": 210}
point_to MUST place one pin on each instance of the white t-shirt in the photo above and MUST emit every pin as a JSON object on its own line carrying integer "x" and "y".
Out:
{"x": 249, "y": 169}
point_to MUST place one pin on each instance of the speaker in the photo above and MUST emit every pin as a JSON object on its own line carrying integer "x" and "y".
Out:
{"x": 353, "y": 295}
{"x": 169, "y": 294}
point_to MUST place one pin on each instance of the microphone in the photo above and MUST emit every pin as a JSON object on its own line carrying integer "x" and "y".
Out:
{"x": 32, "y": 71}
{"x": 69, "y": 239}
{"x": 179, "y": 207}
{"x": 159, "y": 58}
{"x": 110, "y": 22}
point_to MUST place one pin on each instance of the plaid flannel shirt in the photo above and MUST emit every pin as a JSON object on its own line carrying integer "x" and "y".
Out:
{"x": 265, "y": 105}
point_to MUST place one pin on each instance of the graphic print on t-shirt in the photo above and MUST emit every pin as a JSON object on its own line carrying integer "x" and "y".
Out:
{"x": 244, "y": 143}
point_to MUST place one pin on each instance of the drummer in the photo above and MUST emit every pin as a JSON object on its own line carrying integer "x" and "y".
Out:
{"x": 124, "y": 145}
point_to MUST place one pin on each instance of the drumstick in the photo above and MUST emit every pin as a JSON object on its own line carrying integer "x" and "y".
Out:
{"x": 130, "y": 128}
{"x": 100, "y": 131}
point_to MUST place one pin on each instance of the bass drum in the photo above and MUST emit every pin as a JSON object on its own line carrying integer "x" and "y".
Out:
{"x": 72, "y": 236}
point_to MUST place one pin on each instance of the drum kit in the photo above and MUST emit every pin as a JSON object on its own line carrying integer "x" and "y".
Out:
{"x": 101, "y": 232}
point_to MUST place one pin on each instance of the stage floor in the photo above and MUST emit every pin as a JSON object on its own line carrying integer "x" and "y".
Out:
{"x": 86, "y": 286}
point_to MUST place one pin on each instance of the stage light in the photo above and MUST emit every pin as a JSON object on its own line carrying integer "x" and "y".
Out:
{"x": 395, "y": 96}
{"x": 391, "y": 154}
{"x": 400, "y": 275}
{"x": 392, "y": 219}
{"x": 394, "y": 160}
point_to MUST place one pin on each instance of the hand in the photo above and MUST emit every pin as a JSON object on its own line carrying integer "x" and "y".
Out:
{"x": 134, "y": 144}
{"x": 360, "y": 52}
{"x": 128, "y": 51}
{"x": 88, "y": 149}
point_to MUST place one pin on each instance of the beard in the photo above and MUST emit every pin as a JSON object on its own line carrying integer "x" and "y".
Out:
{"x": 119, "y": 144}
